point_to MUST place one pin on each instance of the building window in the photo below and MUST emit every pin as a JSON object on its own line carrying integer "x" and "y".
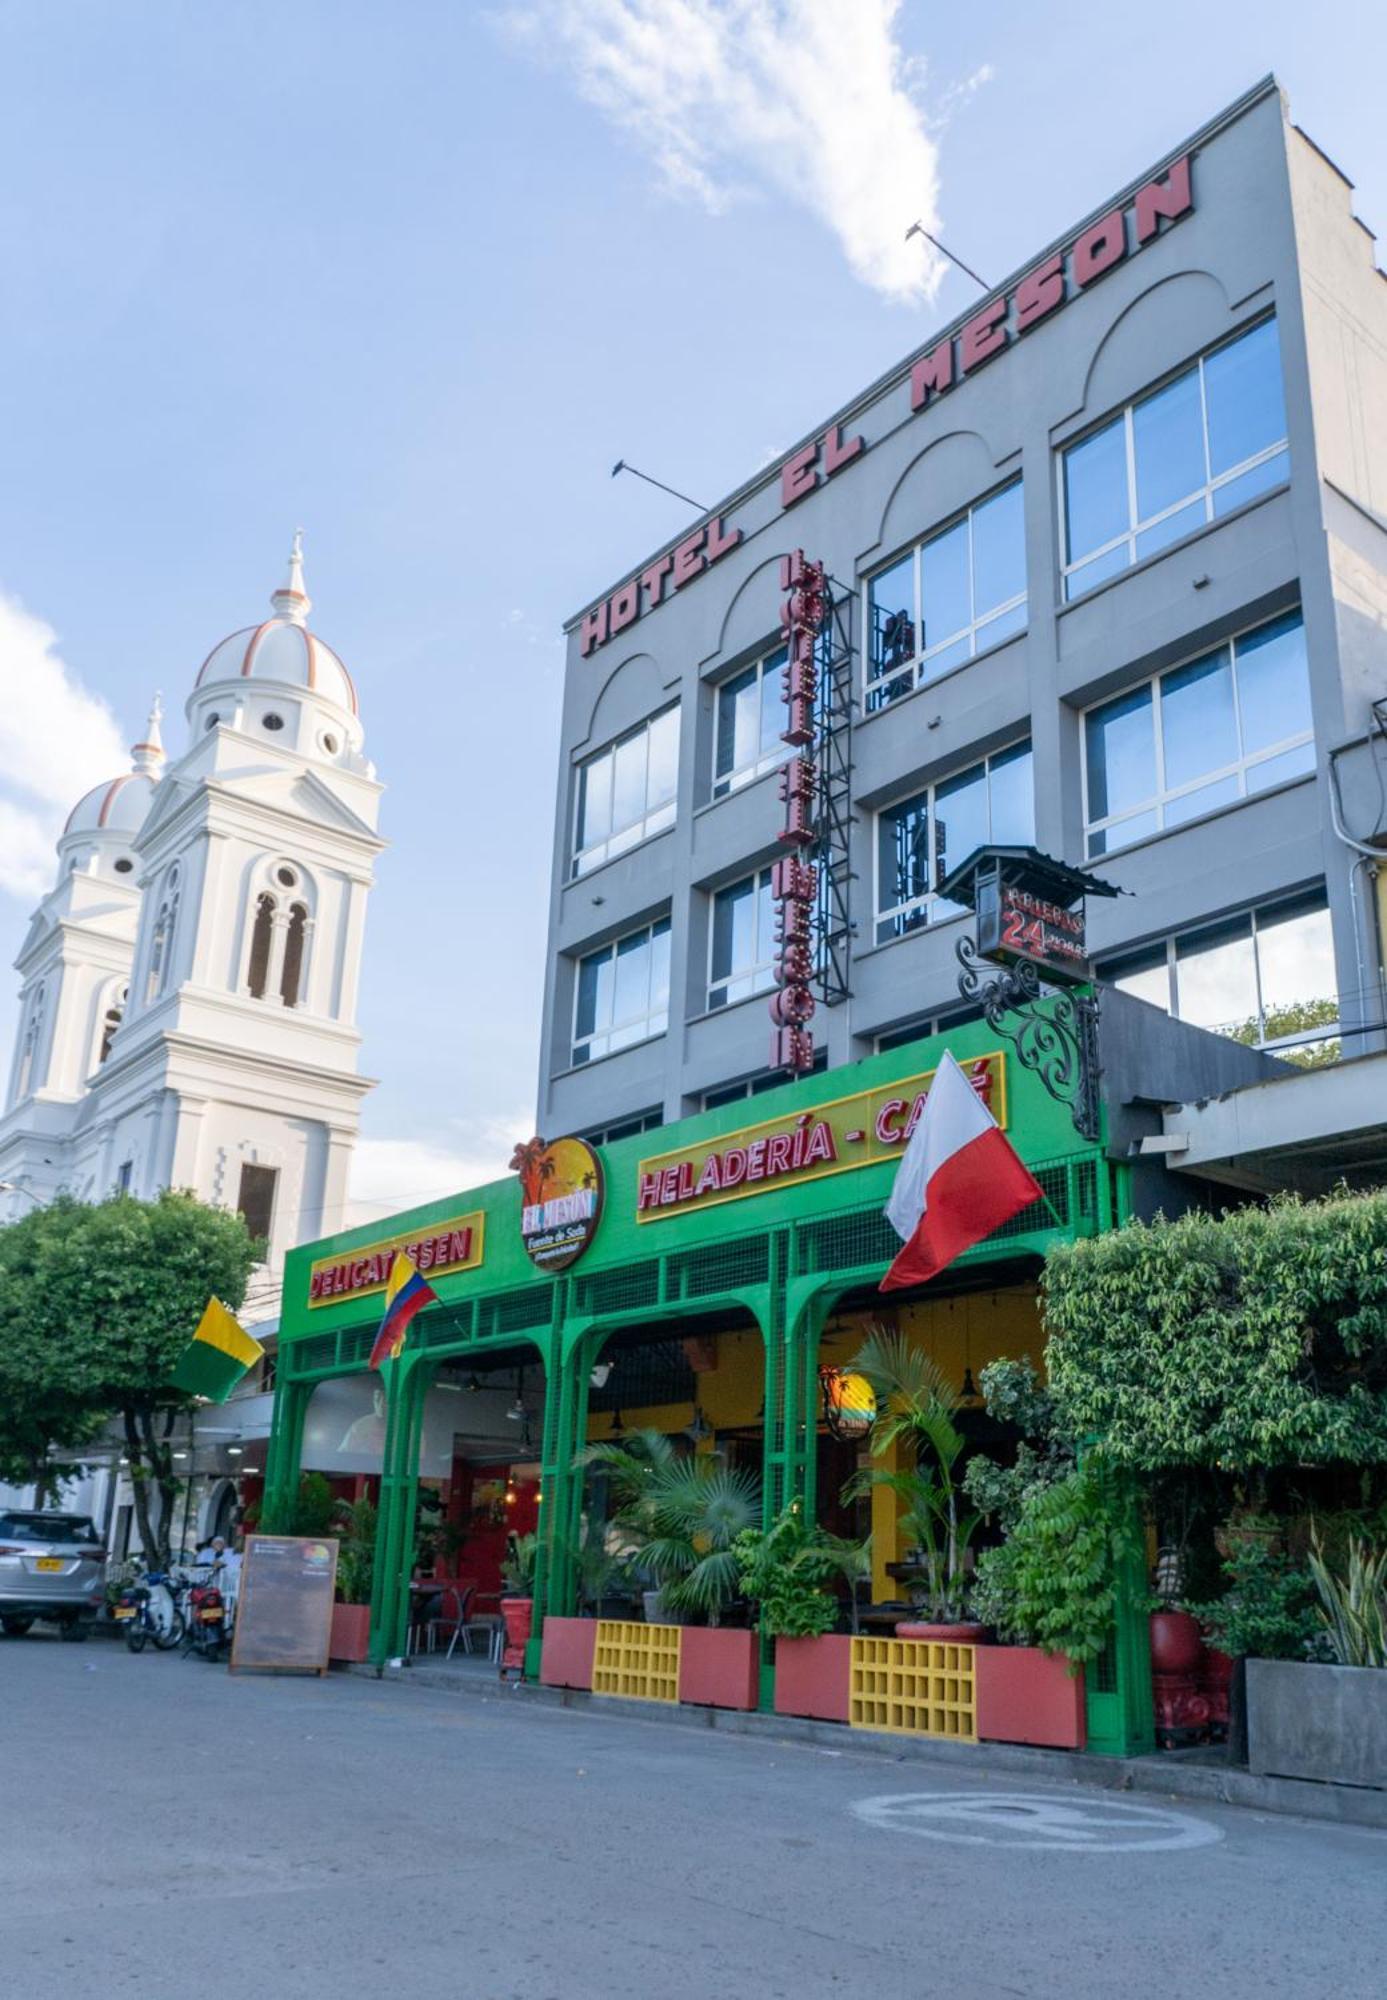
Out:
{"x": 757, "y": 1085}
{"x": 920, "y": 840}
{"x": 623, "y": 993}
{"x": 1185, "y": 455}
{"x": 110, "y": 1021}
{"x": 29, "y": 1047}
{"x": 1203, "y": 735}
{"x": 627, "y": 1128}
{"x": 742, "y": 946}
{"x": 255, "y": 1201}
{"x": 1265, "y": 977}
{"x": 161, "y": 944}
{"x": 952, "y": 596}
{"x": 125, "y": 1176}
{"x": 750, "y": 717}
{"x": 923, "y": 1025}
{"x": 258, "y": 970}
{"x": 293, "y": 954}
{"x": 627, "y": 792}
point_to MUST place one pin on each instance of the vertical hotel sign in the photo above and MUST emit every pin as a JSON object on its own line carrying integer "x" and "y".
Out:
{"x": 794, "y": 878}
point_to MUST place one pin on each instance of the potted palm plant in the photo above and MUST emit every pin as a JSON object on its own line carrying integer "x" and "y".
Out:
{"x": 917, "y": 1406}
{"x": 356, "y": 1563}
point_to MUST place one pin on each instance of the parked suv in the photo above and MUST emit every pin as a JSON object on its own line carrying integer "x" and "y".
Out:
{"x": 51, "y": 1566}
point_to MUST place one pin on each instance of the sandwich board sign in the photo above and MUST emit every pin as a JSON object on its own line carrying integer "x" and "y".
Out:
{"x": 284, "y": 1607}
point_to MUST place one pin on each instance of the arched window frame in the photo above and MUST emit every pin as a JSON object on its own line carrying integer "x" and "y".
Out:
{"x": 30, "y": 1041}
{"x": 162, "y": 939}
{"x": 292, "y": 908}
{"x": 110, "y": 1012}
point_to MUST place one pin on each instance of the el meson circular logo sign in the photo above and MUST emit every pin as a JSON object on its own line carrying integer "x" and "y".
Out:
{"x": 561, "y": 1192}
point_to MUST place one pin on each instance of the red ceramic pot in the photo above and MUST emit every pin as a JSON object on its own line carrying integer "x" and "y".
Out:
{"x": 1176, "y": 1642}
{"x": 962, "y": 1634}
{"x": 518, "y": 1614}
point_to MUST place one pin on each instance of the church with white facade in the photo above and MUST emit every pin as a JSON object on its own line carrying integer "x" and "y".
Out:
{"x": 189, "y": 984}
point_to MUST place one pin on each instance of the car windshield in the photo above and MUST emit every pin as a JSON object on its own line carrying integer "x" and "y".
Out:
{"x": 57, "y": 1529}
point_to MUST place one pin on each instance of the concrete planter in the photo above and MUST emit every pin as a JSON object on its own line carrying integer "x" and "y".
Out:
{"x": 1026, "y": 1696}
{"x": 814, "y": 1676}
{"x": 1328, "y": 1723}
{"x": 351, "y": 1632}
{"x": 718, "y": 1669}
{"x": 569, "y": 1647}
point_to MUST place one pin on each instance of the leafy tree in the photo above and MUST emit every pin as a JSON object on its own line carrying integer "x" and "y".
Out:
{"x": 43, "y": 1403}
{"x": 103, "y": 1299}
{"x": 1251, "y": 1340}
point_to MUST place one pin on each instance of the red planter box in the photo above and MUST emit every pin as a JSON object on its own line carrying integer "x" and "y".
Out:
{"x": 351, "y": 1632}
{"x": 718, "y": 1669}
{"x": 1026, "y": 1696}
{"x": 813, "y": 1676}
{"x": 569, "y": 1647}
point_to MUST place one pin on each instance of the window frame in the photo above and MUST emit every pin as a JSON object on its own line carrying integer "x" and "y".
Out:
{"x": 1302, "y": 901}
{"x": 1157, "y": 802}
{"x": 1137, "y": 527}
{"x": 583, "y": 861}
{"x": 874, "y": 685}
{"x": 931, "y": 895}
{"x": 759, "y": 878}
{"x": 724, "y": 783}
{"x": 603, "y": 1034}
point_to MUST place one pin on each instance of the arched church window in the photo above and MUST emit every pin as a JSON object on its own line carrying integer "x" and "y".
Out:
{"x": 258, "y": 974}
{"x": 110, "y": 1021}
{"x": 28, "y": 1052}
{"x": 293, "y": 955}
{"x": 161, "y": 945}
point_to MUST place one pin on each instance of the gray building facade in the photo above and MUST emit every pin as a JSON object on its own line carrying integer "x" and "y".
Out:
{"x": 1111, "y": 555}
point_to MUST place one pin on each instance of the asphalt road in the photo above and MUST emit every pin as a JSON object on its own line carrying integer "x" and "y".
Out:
{"x": 166, "y": 1830}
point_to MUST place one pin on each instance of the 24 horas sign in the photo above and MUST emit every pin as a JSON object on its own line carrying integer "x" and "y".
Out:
{"x": 832, "y": 1138}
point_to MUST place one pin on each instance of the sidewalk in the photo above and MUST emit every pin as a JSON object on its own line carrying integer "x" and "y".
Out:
{"x": 1182, "y": 1774}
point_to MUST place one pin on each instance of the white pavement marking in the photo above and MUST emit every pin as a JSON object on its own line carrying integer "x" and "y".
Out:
{"x": 1061, "y": 1823}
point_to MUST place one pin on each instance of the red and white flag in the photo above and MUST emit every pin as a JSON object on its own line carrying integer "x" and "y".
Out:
{"x": 960, "y": 1179}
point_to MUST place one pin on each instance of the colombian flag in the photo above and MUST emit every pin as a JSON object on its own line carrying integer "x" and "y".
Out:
{"x": 217, "y": 1356}
{"x": 405, "y": 1294}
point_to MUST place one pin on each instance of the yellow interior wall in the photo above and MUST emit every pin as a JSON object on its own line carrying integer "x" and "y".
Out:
{"x": 730, "y": 1394}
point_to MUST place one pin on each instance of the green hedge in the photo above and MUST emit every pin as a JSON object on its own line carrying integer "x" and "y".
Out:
{"x": 1254, "y": 1339}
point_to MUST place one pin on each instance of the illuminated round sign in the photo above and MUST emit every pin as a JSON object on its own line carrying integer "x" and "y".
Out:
{"x": 850, "y": 1404}
{"x": 561, "y": 1200}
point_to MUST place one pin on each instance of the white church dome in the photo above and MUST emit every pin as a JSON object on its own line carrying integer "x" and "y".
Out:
{"x": 282, "y": 649}
{"x": 119, "y": 805}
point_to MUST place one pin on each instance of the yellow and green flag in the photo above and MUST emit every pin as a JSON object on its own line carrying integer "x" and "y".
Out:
{"x": 217, "y": 1356}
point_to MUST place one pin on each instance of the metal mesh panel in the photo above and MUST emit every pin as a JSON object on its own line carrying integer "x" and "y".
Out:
{"x": 722, "y": 1267}
{"x": 865, "y": 1237}
{"x": 357, "y": 1343}
{"x": 514, "y": 1312}
{"x": 319, "y": 1352}
{"x": 619, "y": 1291}
{"x": 1055, "y": 1183}
{"x": 643, "y": 1377}
{"x": 443, "y": 1329}
{"x": 1102, "y": 1675}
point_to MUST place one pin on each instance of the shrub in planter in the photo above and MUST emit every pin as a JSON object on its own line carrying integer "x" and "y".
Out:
{"x": 679, "y": 1517}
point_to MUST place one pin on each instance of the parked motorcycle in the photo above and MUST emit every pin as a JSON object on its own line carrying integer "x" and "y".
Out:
{"x": 148, "y": 1609}
{"x": 208, "y": 1626}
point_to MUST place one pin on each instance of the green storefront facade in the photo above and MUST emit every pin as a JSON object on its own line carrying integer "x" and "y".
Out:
{"x": 781, "y": 1254}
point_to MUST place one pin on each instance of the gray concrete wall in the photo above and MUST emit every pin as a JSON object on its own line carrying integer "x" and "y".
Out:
{"x": 1214, "y": 270}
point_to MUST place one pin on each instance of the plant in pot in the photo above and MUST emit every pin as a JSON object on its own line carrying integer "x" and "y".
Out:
{"x": 917, "y": 1406}
{"x": 517, "y": 1606}
{"x": 356, "y": 1524}
{"x": 789, "y": 1571}
{"x": 675, "y": 1519}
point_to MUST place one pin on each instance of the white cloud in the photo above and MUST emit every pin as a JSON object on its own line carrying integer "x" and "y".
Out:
{"x": 391, "y": 1174}
{"x": 812, "y": 98}
{"x": 57, "y": 740}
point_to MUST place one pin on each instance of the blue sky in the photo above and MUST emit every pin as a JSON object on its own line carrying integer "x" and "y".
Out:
{"x": 414, "y": 276}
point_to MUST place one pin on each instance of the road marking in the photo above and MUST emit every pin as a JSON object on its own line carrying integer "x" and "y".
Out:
{"x": 1060, "y": 1822}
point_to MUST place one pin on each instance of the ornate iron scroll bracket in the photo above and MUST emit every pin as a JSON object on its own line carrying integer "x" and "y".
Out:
{"x": 1060, "y": 1045}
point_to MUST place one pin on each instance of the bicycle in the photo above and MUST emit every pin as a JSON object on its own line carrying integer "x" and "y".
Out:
{"x": 149, "y": 1610}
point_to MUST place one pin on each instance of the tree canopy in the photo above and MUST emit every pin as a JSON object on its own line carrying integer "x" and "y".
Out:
{"x": 97, "y": 1302}
{"x": 1254, "y": 1339}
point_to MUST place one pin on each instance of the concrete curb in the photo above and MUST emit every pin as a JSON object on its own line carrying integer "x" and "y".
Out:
{"x": 1170, "y": 1774}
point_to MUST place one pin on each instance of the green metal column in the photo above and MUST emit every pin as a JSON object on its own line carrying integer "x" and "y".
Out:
{"x": 1118, "y": 1696}
{"x": 406, "y": 1386}
{"x": 282, "y": 1458}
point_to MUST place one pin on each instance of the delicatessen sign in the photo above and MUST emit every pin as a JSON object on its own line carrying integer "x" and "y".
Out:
{"x": 441, "y": 1248}
{"x": 833, "y": 1138}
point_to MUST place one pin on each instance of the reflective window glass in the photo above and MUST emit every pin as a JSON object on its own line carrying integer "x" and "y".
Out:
{"x": 922, "y": 838}
{"x": 750, "y": 717}
{"x": 1247, "y": 410}
{"x": 622, "y": 993}
{"x": 1120, "y": 751}
{"x": 1273, "y": 683}
{"x": 999, "y": 551}
{"x": 1168, "y": 445}
{"x": 1216, "y": 977}
{"x": 742, "y": 941}
{"x": 946, "y": 598}
{"x": 971, "y": 581}
{"x": 1095, "y": 490}
{"x": 1199, "y": 729}
{"x": 1295, "y": 953}
{"x": 1012, "y": 792}
{"x": 627, "y": 792}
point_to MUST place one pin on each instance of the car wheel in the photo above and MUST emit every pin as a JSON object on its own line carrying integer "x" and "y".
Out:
{"x": 16, "y": 1626}
{"x": 73, "y": 1629}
